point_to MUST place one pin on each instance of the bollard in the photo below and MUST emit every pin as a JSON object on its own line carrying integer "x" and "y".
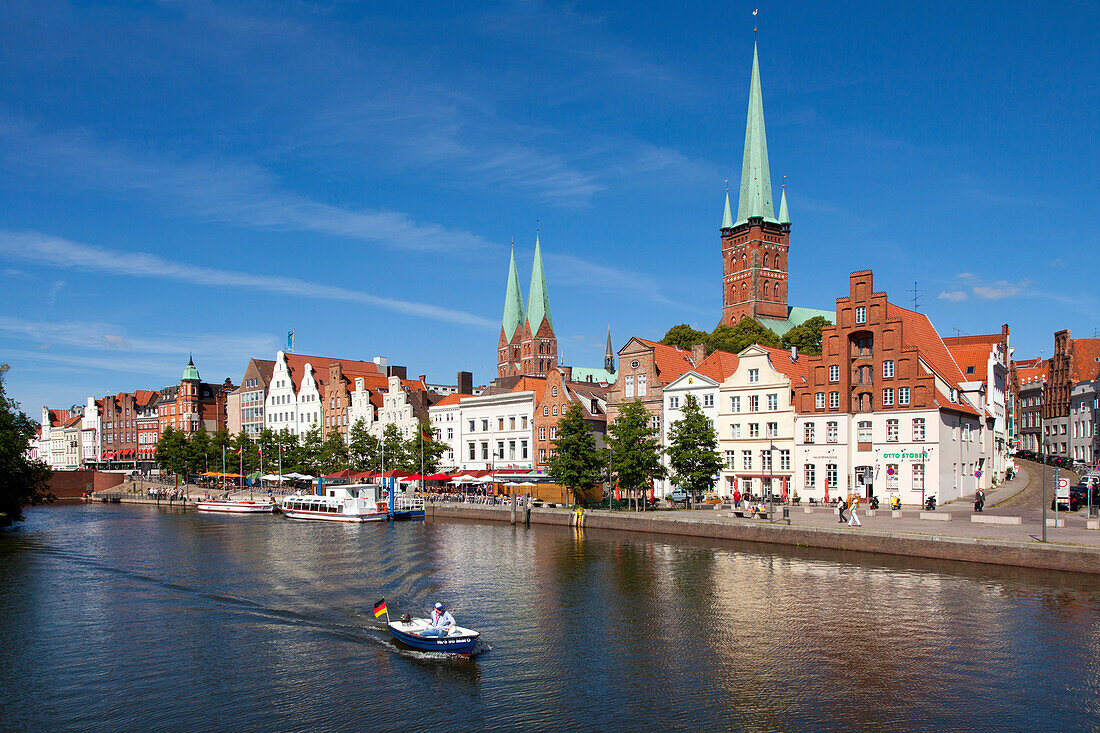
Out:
{"x": 787, "y": 515}
{"x": 513, "y": 509}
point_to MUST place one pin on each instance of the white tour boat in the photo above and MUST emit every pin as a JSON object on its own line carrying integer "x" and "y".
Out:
{"x": 351, "y": 503}
{"x": 236, "y": 506}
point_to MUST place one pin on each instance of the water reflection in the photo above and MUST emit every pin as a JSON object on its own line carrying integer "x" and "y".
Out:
{"x": 193, "y": 621}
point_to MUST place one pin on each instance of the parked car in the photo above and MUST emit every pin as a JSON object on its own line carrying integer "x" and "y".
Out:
{"x": 678, "y": 496}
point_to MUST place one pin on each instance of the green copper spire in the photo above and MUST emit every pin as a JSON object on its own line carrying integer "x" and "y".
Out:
{"x": 190, "y": 373}
{"x": 784, "y": 218}
{"x": 756, "y": 182}
{"x": 538, "y": 297}
{"x": 727, "y": 217}
{"x": 513, "y": 301}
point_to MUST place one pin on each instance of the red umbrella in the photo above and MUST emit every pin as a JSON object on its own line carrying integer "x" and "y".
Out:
{"x": 346, "y": 473}
{"x": 414, "y": 477}
{"x": 439, "y": 477}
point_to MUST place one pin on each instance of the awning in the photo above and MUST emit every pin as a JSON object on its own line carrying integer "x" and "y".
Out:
{"x": 439, "y": 477}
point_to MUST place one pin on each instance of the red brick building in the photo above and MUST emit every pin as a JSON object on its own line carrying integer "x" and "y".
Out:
{"x": 527, "y": 344}
{"x": 557, "y": 393}
{"x": 193, "y": 402}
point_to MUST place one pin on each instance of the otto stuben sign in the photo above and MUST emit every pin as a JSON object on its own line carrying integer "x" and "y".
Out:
{"x": 908, "y": 455}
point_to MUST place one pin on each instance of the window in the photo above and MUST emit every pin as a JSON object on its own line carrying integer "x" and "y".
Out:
{"x": 888, "y": 368}
{"x": 641, "y": 385}
{"x": 808, "y": 433}
{"x": 772, "y": 430}
{"x": 473, "y": 452}
{"x": 485, "y": 425}
{"x": 500, "y": 423}
{"x": 746, "y": 460}
{"x": 834, "y": 400}
{"x": 554, "y": 391}
{"x": 735, "y": 404}
{"x": 656, "y": 422}
{"x": 754, "y": 376}
{"x": 524, "y": 421}
{"x": 773, "y": 402}
{"x": 863, "y": 431}
{"x": 754, "y": 403}
{"x": 673, "y": 403}
{"x": 784, "y": 460}
{"x": 830, "y": 475}
{"x": 891, "y": 477}
{"x": 546, "y": 410}
{"x": 731, "y": 459}
{"x": 861, "y": 314}
{"x": 831, "y": 431}
{"x": 811, "y": 475}
{"x": 918, "y": 476}
{"x": 891, "y": 431}
{"x": 500, "y": 449}
{"x": 450, "y": 433}
{"x": 472, "y": 428}
{"x": 888, "y": 397}
{"x": 511, "y": 423}
{"x": 523, "y": 449}
{"x": 754, "y": 430}
{"x": 834, "y": 373}
{"x": 735, "y": 431}
{"x": 708, "y": 400}
{"x": 630, "y": 385}
{"x": 903, "y": 395}
{"x": 819, "y": 401}
{"x": 555, "y": 410}
{"x": 542, "y": 433}
{"x": 765, "y": 460}
{"x": 918, "y": 428}
{"x": 553, "y": 433}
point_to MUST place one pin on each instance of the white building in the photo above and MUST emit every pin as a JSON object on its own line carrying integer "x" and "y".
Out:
{"x": 487, "y": 432}
{"x": 757, "y": 422}
{"x": 396, "y": 409}
{"x": 984, "y": 363}
{"x": 89, "y": 433}
{"x": 291, "y": 406}
{"x": 692, "y": 383}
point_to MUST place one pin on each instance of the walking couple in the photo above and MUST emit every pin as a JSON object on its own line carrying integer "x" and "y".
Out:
{"x": 842, "y": 506}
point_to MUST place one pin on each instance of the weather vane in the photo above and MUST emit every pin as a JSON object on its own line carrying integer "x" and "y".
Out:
{"x": 754, "y": 12}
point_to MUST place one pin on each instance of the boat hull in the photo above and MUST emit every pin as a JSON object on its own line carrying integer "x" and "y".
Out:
{"x": 411, "y": 514}
{"x": 333, "y": 517}
{"x": 454, "y": 644}
{"x": 235, "y": 507}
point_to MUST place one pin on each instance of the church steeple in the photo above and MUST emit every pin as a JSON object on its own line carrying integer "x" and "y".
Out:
{"x": 756, "y": 184}
{"x": 784, "y": 217}
{"x": 538, "y": 297}
{"x": 609, "y": 353}
{"x": 727, "y": 216}
{"x": 513, "y": 301}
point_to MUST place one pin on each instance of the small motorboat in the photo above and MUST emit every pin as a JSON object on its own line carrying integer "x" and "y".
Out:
{"x": 407, "y": 507}
{"x": 410, "y": 631}
{"x": 236, "y": 506}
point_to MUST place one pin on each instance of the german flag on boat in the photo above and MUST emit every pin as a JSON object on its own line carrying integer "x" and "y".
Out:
{"x": 380, "y": 608}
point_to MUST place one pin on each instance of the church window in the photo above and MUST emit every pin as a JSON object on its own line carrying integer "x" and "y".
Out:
{"x": 776, "y": 289}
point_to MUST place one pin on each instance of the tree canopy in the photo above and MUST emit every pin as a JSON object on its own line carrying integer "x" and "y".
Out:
{"x": 806, "y": 336}
{"x": 735, "y": 338}
{"x": 635, "y": 448}
{"x": 684, "y": 336}
{"x": 576, "y": 463}
{"x": 693, "y": 450}
{"x": 23, "y": 482}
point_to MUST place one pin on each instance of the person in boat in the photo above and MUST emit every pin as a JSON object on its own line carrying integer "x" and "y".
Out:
{"x": 442, "y": 622}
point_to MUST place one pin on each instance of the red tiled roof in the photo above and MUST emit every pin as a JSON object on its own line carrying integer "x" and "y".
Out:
{"x": 526, "y": 384}
{"x": 72, "y": 421}
{"x": 350, "y": 368}
{"x": 719, "y": 365}
{"x": 145, "y": 397}
{"x": 1085, "y": 355}
{"x": 970, "y": 356}
{"x": 451, "y": 399}
{"x": 57, "y": 417}
{"x": 918, "y": 332}
{"x": 671, "y": 361}
{"x": 1030, "y": 374}
{"x": 985, "y": 339}
{"x": 781, "y": 361}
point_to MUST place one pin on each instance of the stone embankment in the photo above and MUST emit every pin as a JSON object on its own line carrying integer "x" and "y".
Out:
{"x": 908, "y": 536}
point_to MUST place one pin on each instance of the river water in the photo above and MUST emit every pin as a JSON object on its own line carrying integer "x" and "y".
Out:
{"x": 133, "y": 618}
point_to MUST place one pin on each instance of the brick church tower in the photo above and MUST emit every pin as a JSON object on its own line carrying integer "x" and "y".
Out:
{"x": 527, "y": 345}
{"x": 754, "y": 245}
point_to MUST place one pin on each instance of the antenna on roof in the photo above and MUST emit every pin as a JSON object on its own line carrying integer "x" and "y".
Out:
{"x": 916, "y": 295}
{"x": 960, "y": 332}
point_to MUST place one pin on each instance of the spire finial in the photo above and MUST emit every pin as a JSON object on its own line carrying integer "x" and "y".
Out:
{"x": 754, "y": 12}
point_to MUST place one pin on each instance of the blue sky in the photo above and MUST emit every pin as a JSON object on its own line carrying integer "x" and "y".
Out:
{"x": 191, "y": 176}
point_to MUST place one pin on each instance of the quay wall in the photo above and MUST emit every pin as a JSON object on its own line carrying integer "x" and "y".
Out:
{"x": 937, "y": 547}
{"x": 71, "y": 484}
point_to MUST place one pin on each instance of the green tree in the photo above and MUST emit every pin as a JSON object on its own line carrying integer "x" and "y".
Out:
{"x": 287, "y": 448}
{"x": 173, "y": 452}
{"x": 735, "y": 338}
{"x": 334, "y": 454}
{"x": 219, "y": 440}
{"x": 693, "y": 450}
{"x": 806, "y": 336}
{"x": 198, "y": 450}
{"x": 244, "y": 458}
{"x": 310, "y": 450}
{"x": 267, "y": 452}
{"x": 423, "y": 452}
{"x": 22, "y": 482}
{"x": 635, "y": 449}
{"x": 364, "y": 449}
{"x": 393, "y": 449}
{"x": 684, "y": 336}
{"x": 576, "y": 463}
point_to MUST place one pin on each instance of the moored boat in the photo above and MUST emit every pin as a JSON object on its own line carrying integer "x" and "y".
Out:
{"x": 351, "y": 503}
{"x": 236, "y": 506}
{"x": 408, "y": 507}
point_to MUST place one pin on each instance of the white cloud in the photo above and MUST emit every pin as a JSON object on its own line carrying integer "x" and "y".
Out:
{"x": 954, "y": 295}
{"x": 57, "y": 252}
{"x": 1000, "y": 290}
{"x": 572, "y": 270}
{"x": 232, "y": 191}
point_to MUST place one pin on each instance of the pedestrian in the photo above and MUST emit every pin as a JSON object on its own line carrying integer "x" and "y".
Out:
{"x": 853, "y": 520}
{"x": 841, "y": 505}
{"x": 736, "y": 497}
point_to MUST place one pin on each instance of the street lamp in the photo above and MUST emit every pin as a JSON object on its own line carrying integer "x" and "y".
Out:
{"x": 771, "y": 481}
{"x": 1043, "y": 445}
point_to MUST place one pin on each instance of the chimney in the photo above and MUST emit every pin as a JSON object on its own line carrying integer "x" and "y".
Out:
{"x": 566, "y": 373}
{"x": 396, "y": 371}
{"x": 424, "y": 379}
{"x": 794, "y": 353}
{"x": 698, "y": 353}
{"x": 465, "y": 383}
{"x": 381, "y": 362}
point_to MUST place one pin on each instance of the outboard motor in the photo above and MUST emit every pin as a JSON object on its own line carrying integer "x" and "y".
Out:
{"x": 930, "y": 504}
{"x": 406, "y": 618}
